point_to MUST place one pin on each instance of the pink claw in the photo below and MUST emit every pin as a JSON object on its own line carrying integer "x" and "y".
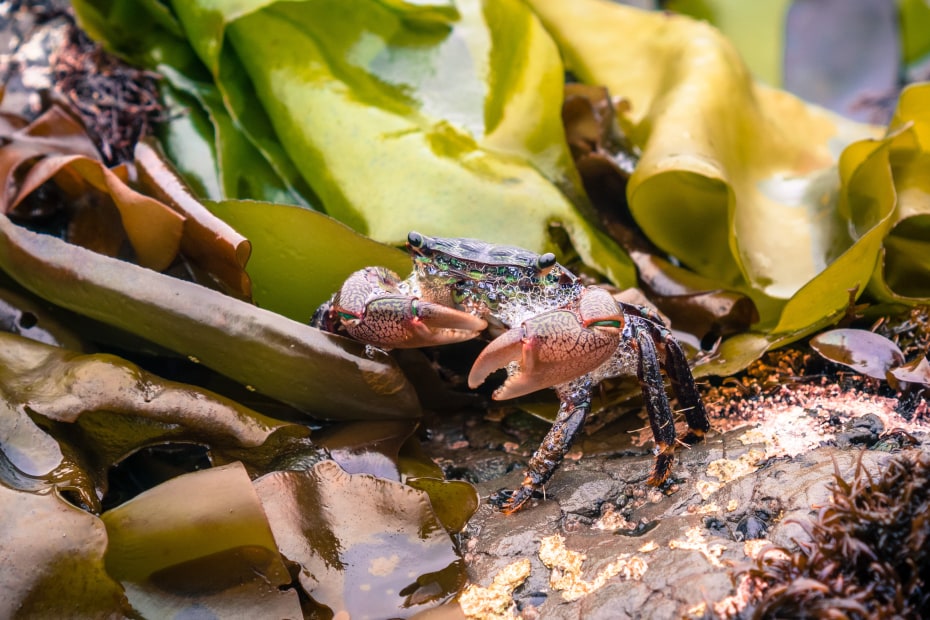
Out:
{"x": 372, "y": 310}
{"x": 551, "y": 348}
{"x": 397, "y": 322}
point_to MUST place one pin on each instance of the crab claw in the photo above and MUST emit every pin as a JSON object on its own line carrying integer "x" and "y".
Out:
{"x": 399, "y": 322}
{"x": 371, "y": 309}
{"x": 553, "y": 347}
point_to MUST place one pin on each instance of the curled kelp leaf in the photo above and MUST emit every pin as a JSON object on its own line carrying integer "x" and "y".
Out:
{"x": 208, "y": 242}
{"x": 214, "y": 555}
{"x": 54, "y": 576}
{"x": 53, "y": 132}
{"x": 278, "y": 357}
{"x": 867, "y": 353}
{"x": 55, "y": 181}
{"x": 903, "y": 271}
{"x": 914, "y": 375}
{"x": 153, "y": 229}
{"x": 915, "y": 372}
{"x": 606, "y": 158}
{"x": 372, "y": 548}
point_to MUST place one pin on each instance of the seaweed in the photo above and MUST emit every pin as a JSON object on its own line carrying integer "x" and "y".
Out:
{"x": 868, "y": 554}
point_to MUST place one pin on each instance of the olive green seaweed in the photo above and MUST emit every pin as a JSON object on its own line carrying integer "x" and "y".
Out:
{"x": 449, "y": 125}
{"x": 319, "y": 373}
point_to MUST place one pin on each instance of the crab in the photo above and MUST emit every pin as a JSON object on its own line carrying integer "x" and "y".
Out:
{"x": 551, "y": 331}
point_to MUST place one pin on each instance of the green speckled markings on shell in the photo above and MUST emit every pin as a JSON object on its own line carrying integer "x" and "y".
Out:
{"x": 506, "y": 282}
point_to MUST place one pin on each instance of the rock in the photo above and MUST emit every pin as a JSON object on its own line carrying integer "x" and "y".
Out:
{"x": 730, "y": 496}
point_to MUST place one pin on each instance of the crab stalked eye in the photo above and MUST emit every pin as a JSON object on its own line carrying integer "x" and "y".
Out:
{"x": 610, "y": 323}
{"x": 546, "y": 261}
{"x": 415, "y": 239}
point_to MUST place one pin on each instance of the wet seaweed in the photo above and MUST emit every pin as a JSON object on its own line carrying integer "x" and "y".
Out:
{"x": 117, "y": 103}
{"x": 868, "y": 555}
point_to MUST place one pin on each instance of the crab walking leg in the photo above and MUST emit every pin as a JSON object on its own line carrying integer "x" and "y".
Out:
{"x": 679, "y": 374}
{"x": 656, "y": 400}
{"x": 689, "y": 399}
{"x": 576, "y": 403}
{"x": 633, "y": 311}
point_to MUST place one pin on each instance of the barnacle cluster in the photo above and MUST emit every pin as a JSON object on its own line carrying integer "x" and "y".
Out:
{"x": 868, "y": 555}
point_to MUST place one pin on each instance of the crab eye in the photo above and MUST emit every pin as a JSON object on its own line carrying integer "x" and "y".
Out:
{"x": 545, "y": 261}
{"x": 415, "y": 239}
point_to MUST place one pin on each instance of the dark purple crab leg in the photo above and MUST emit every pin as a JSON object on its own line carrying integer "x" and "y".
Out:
{"x": 649, "y": 372}
{"x": 677, "y": 369}
{"x": 574, "y": 408}
{"x": 679, "y": 373}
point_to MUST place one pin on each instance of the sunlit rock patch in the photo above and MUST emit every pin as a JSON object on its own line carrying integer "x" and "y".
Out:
{"x": 566, "y": 567}
{"x": 496, "y": 601}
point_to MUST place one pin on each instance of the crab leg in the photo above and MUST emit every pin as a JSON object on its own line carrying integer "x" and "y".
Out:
{"x": 660, "y": 413}
{"x": 676, "y": 365}
{"x": 576, "y": 403}
{"x": 677, "y": 369}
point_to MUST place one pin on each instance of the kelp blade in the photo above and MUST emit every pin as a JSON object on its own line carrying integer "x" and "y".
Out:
{"x": 319, "y": 373}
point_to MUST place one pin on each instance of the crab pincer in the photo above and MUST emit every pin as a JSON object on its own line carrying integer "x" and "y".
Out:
{"x": 553, "y": 347}
{"x": 371, "y": 308}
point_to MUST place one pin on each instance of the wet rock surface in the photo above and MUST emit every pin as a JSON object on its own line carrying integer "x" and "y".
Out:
{"x": 729, "y": 497}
